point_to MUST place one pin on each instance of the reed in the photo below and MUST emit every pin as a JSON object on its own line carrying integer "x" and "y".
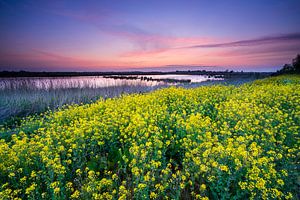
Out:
{"x": 23, "y": 97}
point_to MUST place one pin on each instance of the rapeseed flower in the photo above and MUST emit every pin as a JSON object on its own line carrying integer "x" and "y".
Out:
{"x": 231, "y": 142}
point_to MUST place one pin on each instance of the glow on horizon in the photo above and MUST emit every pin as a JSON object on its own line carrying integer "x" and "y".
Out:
{"x": 119, "y": 35}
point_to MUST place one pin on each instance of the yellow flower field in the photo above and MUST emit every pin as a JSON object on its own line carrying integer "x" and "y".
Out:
{"x": 213, "y": 142}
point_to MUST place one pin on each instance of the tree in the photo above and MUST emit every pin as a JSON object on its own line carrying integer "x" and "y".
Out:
{"x": 291, "y": 68}
{"x": 296, "y": 63}
{"x": 287, "y": 68}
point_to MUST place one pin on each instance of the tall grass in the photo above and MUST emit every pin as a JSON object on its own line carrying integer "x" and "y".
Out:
{"x": 23, "y": 97}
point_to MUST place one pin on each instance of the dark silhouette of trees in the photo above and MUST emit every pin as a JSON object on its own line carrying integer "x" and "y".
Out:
{"x": 287, "y": 68}
{"x": 293, "y": 68}
{"x": 296, "y": 63}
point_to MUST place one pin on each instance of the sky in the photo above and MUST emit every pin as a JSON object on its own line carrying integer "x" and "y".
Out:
{"x": 121, "y": 35}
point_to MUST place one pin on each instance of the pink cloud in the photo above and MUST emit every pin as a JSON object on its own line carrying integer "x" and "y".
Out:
{"x": 145, "y": 43}
{"x": 157, "y": 44}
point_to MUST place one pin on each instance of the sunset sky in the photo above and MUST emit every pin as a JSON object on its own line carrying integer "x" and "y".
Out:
{"x": 105, "y": 35}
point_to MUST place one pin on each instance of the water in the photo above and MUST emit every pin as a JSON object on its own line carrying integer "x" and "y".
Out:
{"x": 92, "y": 82}
{"x": 193, "y": 78}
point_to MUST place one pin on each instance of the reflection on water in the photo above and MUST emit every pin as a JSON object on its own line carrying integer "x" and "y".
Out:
{"x": 193, "y": 78}
{"x": 70, "y": 82}
{"x": 93, "y": 81}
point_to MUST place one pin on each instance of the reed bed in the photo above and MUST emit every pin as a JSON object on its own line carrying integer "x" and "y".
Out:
{"x": 21, "y": 97}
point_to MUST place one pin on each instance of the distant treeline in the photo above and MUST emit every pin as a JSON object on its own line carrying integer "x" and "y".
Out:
{"x": 224, "y": 74}
{"x": 293, "y": 68}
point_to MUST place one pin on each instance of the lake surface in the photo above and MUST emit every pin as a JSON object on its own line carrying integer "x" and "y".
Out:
{"x": 193, "y": 78}
{"x": 93, "y": 81}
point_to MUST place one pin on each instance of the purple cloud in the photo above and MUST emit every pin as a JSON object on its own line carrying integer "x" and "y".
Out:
{"x": 252, "y": 42}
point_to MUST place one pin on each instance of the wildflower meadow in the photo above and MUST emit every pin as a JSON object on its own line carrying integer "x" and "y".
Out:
{"x": 210, "y": 142}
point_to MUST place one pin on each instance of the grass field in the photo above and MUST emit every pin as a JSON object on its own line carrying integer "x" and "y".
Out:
{"x": 212, "y": 142}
